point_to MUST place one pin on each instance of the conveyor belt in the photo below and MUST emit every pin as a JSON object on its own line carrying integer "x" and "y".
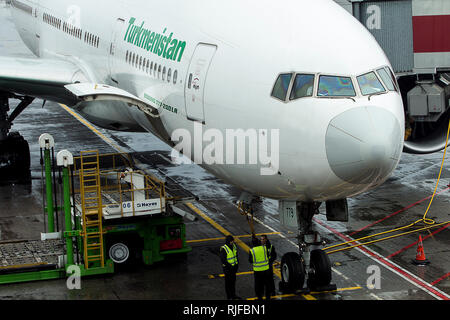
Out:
{"x": 26, "y": 253}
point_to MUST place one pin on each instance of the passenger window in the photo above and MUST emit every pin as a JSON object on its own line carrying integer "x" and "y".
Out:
{"x": 159, "y": 71}
{"x": 281, "y": 86}
{"x": 331, "y": 86}
{"x": 164, "y": 74}
{"x": 385, "y": 76}
{"x": 169, "y": 75}
{"x": 155, "y": 68}
{"x": 175, "y": 76}
{"x": 370, "y": 84}
{"x": 303, "y": 86}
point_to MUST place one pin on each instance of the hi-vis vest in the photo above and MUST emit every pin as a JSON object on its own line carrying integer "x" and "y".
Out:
{"x": 260, "y": 258}
{"x": 231, "y": 254}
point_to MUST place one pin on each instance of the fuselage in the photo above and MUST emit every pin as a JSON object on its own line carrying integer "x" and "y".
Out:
{"x": 217, "y": 65}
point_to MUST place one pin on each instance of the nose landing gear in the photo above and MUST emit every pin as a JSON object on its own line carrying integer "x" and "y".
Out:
{"x": 311, "y": 263}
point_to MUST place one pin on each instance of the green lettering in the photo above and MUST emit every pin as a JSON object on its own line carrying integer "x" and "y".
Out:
{"x": 181, "y": 45}
{"x": 144, "y": 39}
{"x": 171, "y": 50}
{"x": 130, "y": 35}
{"x": 150, "y": 42}
{"x": 130, "y": 23}
{"x": 138, "y": 34}
{"x": 167, "y": 42}
{"x": 161, "y": 46}
{"x": 156, "y": 43}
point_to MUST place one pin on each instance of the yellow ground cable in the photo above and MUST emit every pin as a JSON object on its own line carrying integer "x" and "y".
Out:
{"x": 387, "y": 238}
{"x": 424, "y": 219}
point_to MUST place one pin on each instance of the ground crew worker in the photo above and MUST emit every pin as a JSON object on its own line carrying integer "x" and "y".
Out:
{"x": 230, "y": 263}
{"x": 259, "y": 258}
{"x": 272, "y": 256}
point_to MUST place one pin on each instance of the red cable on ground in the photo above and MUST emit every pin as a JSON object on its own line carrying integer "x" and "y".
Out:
{"x": 415, "y": 243}
{"x": 397, "y": 212}
{"x": 440, "y": 279}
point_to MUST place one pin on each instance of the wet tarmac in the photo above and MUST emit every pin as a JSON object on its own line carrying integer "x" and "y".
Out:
{"x": 197, "y": 276}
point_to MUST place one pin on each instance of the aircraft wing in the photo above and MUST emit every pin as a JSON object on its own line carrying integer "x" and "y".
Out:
{"x": 60, "y": 81}
{"x": 39, "y": 78}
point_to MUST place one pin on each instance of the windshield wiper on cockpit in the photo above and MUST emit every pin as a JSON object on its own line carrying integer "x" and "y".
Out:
{"x": 376, "y": 94}
{"x": 338, "y": 97}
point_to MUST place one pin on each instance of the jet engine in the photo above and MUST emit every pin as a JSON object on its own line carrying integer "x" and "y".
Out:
{"x": 426, "y": 99}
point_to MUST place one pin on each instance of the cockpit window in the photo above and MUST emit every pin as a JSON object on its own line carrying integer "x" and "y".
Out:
{"x": 370, "y": 84}
{"x": 331, "y": 86}
{"x": 394, "y": 79}
{"x": 386, "y": 77}
{"x": 303, "y": 86}
{"x": 281, "y": 86}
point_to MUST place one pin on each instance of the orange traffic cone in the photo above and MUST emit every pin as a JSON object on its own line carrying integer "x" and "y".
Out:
{"x": 420, "y": 256}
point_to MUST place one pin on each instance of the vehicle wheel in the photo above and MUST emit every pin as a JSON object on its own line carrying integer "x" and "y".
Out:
{"x": 292, "y": 272}
{"x": 321, "y": 265}
{"x": 119, "y": 253}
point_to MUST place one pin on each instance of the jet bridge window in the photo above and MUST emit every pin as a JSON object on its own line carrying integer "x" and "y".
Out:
{"x": 281, "y": 86}
{"x": 303, "y": 86}
{"x": 334, "y": 86}
{"x": 370, "y": 84}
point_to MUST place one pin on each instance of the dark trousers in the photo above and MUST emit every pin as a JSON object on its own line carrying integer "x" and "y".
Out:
{"x": 271, "y": 281}
{"x": 262, "y": 284}
{"x": 230, "y": 283}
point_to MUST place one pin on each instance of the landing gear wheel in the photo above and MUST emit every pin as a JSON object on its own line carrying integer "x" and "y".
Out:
{"x": 292, "y": 272}
{"x": 119, "y": 253}
{"x": 321, "y": 269}
{"x": 14, "y": 159}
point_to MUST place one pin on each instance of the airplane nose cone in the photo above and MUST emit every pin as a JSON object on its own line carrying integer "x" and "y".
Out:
{"x": 364, "y": 144}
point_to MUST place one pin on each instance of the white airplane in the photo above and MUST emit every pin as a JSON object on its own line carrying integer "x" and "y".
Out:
{"x": 306, "y": 68}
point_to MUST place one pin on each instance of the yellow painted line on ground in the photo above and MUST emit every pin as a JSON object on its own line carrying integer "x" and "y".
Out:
{"x": 337, "y": 290}
{"x": 223, "y": 238}
{"x": 221, "y": 275}
{"x": 306, "y": 296}
{"x": 90, "y": 126}
{"x": 309, "y": 296}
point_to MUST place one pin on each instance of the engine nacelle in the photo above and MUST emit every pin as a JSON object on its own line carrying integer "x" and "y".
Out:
{"x": 427, "y": 113}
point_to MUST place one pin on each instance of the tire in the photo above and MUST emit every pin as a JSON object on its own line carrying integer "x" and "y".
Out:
{"x": 320, "y": 263}
{"x": 292, "y": 272}
{"x": 15, "y": 159}
{"x": 119, "y": 253}
{"x": 132, "y": 245}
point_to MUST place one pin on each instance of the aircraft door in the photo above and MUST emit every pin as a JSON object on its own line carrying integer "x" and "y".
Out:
{"x": 196, "y": 81}
{"x": 113, "y": 51}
